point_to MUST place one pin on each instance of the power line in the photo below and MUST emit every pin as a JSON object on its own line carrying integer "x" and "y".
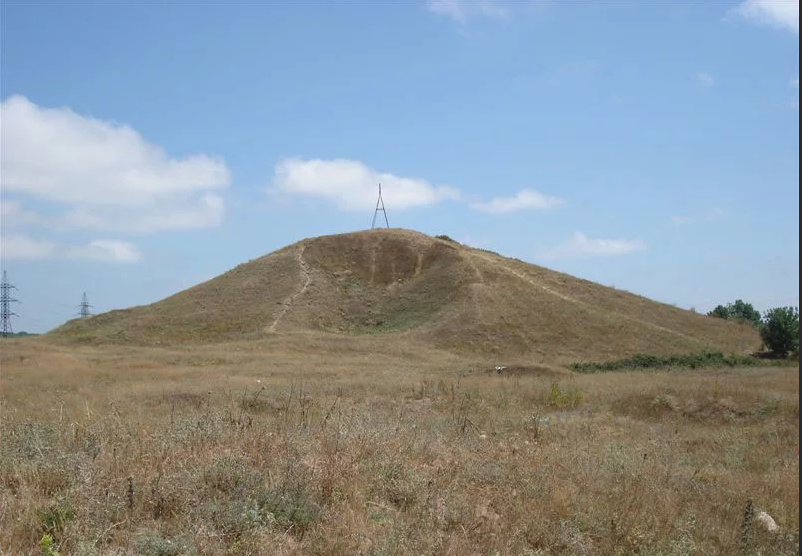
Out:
{"x": 5, "y": 306}
{"x": 379, "y": 202}
{"x": 84, "y": 306}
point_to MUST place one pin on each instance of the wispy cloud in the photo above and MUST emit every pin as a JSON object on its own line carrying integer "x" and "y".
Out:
{"x": 579, "y": 245}
{"x": 109, "y": 250}
{"x": 705, "y": 79}
{"x": 25, "y": 248}
{"x": 352, "y": 185}
{"x": 102, "y": 174}
{"x": 795, "y": 83}
{"x": 463, "y": 10}
{"x": 523, "y": 200}
{"x": 777, "y": 13}
{"x": 206, "y": 211}
{"x": 680, "y": 220}
{"x": 12, "y": 213}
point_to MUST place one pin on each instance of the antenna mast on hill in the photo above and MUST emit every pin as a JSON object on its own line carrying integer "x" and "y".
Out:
{"x": 5, "y": 306}
{"x": 379, "y": 202}
{"x": 85, "y": 306}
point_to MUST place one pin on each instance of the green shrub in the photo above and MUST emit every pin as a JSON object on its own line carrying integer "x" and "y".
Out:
{"x": 692, "y": 361}
{"x": 780, "y": 330}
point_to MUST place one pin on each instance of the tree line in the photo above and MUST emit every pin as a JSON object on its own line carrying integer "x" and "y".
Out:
{"x": 778, "y": 327}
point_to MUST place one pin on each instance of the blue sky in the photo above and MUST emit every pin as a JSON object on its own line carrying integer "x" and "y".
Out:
{"x": 147, "y": 147}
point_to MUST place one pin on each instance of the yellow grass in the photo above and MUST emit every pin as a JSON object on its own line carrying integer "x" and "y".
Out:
{"x": 317, "y": 445}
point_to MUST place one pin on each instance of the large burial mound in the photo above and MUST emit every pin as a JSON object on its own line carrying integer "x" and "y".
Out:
{"x": 433, "y": 291}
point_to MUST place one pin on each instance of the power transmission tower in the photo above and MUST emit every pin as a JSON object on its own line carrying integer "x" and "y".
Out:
{"x": 85, "y": 306}
{"x": 5, "y": 306}
{"x": 379, "y": 202}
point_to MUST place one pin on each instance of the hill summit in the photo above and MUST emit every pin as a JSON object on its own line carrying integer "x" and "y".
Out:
{"x": 430, "y": 290}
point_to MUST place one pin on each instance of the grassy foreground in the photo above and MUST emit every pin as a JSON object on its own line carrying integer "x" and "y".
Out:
{"x": 242, "y": 449}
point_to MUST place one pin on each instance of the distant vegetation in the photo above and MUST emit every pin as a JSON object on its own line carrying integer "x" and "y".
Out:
{"x": 693, "y": 361}
{"x": 738, "y": 310}
{"x": 20, "y": 334}
{"x": 779, "y": 327}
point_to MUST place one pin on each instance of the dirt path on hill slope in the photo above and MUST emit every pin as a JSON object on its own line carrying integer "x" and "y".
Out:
{"x": 306, "y": 278}
{"x": 477, "y": 306}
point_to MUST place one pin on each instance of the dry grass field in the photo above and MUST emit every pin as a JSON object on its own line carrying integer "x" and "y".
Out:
{"x": 319, "y": 444}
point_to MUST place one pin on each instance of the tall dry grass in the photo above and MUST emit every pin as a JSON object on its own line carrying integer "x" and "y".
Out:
{"x": 245, "y": 449}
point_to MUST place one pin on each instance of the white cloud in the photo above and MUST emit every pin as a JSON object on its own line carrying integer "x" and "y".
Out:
{"x": 26, "y": 248}
{"x": 353, "y": 186}
{"x": 109, "y": 250}
{"x": 95, "y": 167}
{"x": 680, "y": 220}
{"x": 705, "y": 79}
{"x": 22, "y": 247}
{"x": 579, "y": 245}
{"x": 778, "y": 13}
{"x": 13, "y": 214}
{"x": 524, "y": 199}
{"x": 462, "y": 10}
{"x": 203, "y": 212}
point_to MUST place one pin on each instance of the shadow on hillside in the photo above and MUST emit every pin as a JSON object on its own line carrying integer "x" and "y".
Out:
{"x": 768, "y": 355}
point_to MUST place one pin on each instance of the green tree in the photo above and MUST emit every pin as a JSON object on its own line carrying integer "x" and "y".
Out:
{"x": 780, "y": 330}
{"x": 744, "y": 311}
{"x": 720, "y": 312}
{"x": 738, "y": 310}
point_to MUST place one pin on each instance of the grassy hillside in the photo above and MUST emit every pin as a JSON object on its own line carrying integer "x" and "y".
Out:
{"x": 405, "y": 286}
